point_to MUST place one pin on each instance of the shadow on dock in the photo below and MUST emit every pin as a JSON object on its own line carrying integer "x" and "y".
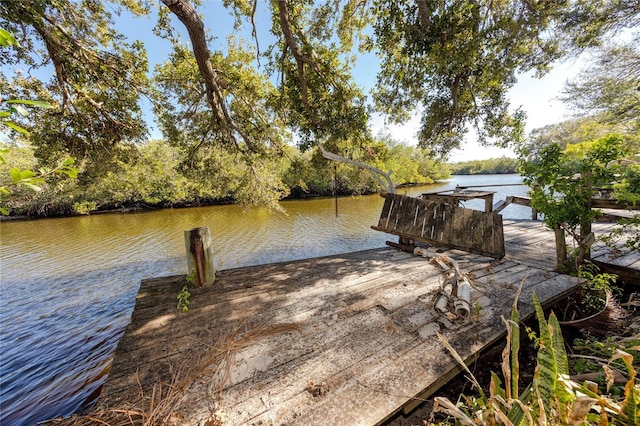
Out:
{"x": 344, "y": 339}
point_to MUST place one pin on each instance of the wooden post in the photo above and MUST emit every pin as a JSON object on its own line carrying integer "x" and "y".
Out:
{"x": 561, "y": 250}
{"x": 585, "y": 224}
{"x": 534, "y": 212}
{"x": 199, "y": 256}
{"x": 488, "y": 203}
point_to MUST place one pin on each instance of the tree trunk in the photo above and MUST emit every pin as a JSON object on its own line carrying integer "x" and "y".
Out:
{"x": 561, "y": 249}
{"x": 585, "y": 225}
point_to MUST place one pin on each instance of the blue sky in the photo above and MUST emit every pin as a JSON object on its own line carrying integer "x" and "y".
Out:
{"x": 535, "y": 96}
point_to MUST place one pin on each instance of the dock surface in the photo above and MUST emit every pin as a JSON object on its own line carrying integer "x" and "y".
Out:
{"x": 344, "y": 339}
{"x": 529, "y": 242}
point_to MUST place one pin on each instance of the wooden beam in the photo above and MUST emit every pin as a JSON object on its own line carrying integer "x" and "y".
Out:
{"x": 610, "y": 203}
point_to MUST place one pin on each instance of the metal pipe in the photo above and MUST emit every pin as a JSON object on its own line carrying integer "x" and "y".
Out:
{"x": 462, "y": 303}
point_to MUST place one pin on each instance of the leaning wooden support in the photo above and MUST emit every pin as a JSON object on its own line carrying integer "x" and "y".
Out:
{"x": 201, "y": 271}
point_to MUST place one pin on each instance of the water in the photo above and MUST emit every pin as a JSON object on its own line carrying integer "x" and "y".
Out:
{"x": 68, "y": 285}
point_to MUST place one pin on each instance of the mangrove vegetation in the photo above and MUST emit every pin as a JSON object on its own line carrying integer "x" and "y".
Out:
{"x": 154, "y": 176}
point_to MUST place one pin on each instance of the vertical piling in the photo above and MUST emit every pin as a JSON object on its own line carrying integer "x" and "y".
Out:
{"x": 199, "y": 256}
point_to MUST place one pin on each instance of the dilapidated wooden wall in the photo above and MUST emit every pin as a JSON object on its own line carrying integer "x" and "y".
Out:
{"x": 442, "y": 224}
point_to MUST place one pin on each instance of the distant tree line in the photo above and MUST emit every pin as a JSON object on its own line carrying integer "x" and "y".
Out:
{"x": 155, "y": 176}
{"x": 492, "y": 166}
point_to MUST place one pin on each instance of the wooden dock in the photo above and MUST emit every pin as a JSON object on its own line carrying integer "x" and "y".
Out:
{"x": 530, "y": 243}
{"x": 344, "y": 339}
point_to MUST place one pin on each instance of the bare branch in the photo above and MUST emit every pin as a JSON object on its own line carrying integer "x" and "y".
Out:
{"x": 387, "y": 184}
{"x": 254, "y": 32}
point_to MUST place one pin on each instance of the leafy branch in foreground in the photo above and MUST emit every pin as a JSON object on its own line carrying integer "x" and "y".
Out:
{"x": 563, "y": 183}
{"x": 27, "y": 178}
{"x": 17, "y": 106}
{"x": 24, "y": 177}
{"x": 33, "y": 180}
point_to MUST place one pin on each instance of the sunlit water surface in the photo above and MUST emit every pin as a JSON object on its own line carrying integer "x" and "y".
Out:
{"x": 68, "y": 285}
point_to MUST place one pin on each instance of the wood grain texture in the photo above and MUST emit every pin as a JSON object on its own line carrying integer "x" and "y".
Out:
{"x": 442, "y": 224}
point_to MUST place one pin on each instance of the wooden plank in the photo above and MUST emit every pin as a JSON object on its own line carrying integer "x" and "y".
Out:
{"x": 446, "y": 225}
{"x": 477, "y": 234}
{"x": 498, "y": 235}
{"x": 609, "y": 203}
{"x": 425, "y": 227}
{"x": 522, "y": 201}
{"x": 407, "y": 222}
{"x": 462, "y": 223}
{"x": 384, "y": 214}
{"x": 441, "y": 223}
{"x": 624, "y": 260}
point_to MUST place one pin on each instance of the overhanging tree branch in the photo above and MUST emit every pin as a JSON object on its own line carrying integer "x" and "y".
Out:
{"x": 213, "y": 83}
{"x": 302, "y": 61}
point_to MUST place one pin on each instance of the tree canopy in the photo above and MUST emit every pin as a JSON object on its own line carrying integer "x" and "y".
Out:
{"x": 610, "y": 87}
{"x": 451, "y": 60}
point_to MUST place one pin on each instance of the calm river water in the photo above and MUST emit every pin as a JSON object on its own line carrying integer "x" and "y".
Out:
{"x": 68, "y": 285}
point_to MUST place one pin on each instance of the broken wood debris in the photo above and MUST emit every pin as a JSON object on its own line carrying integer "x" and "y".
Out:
{"x": 442, "y": 224}
{"x": 454, "y": 280}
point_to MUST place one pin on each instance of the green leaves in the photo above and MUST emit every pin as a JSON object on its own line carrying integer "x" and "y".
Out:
{"x": 34, "y": 181}
{"x": 7, "y": 40}
{"x": 17, "y": 175}
{"x": 37, "y": 104}
{"x": 563, "y": 182}
{"x": 89, "y": 76}
{"x": 17, "y": 106}
{"x": 553, "y": 397}
{"x": 184, "y": 295}
{"x": 458, "y": 59}
{"x": 552, "y": 364}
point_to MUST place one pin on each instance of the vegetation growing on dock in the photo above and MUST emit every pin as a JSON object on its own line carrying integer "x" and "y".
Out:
{"x": 553, "y": 397}
{"x": 564, "y": 182}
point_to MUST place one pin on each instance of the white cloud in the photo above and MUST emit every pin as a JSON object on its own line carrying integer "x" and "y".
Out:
{"x": 535, "y": 96}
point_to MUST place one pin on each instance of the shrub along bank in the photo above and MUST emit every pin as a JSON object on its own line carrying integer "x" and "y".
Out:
{"x": 156, "y": 175}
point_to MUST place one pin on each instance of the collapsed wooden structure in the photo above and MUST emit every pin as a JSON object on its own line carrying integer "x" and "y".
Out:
{"x": 442, "y": 224}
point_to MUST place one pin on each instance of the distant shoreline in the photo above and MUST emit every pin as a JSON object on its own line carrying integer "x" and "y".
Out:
{"x": 145, "y": 207}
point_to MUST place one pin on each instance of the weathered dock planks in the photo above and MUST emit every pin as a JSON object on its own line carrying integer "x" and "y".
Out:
{"x": 622, "y": 261}
{"x": 529, "y": 242}
{"x": 345, "y": 339}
